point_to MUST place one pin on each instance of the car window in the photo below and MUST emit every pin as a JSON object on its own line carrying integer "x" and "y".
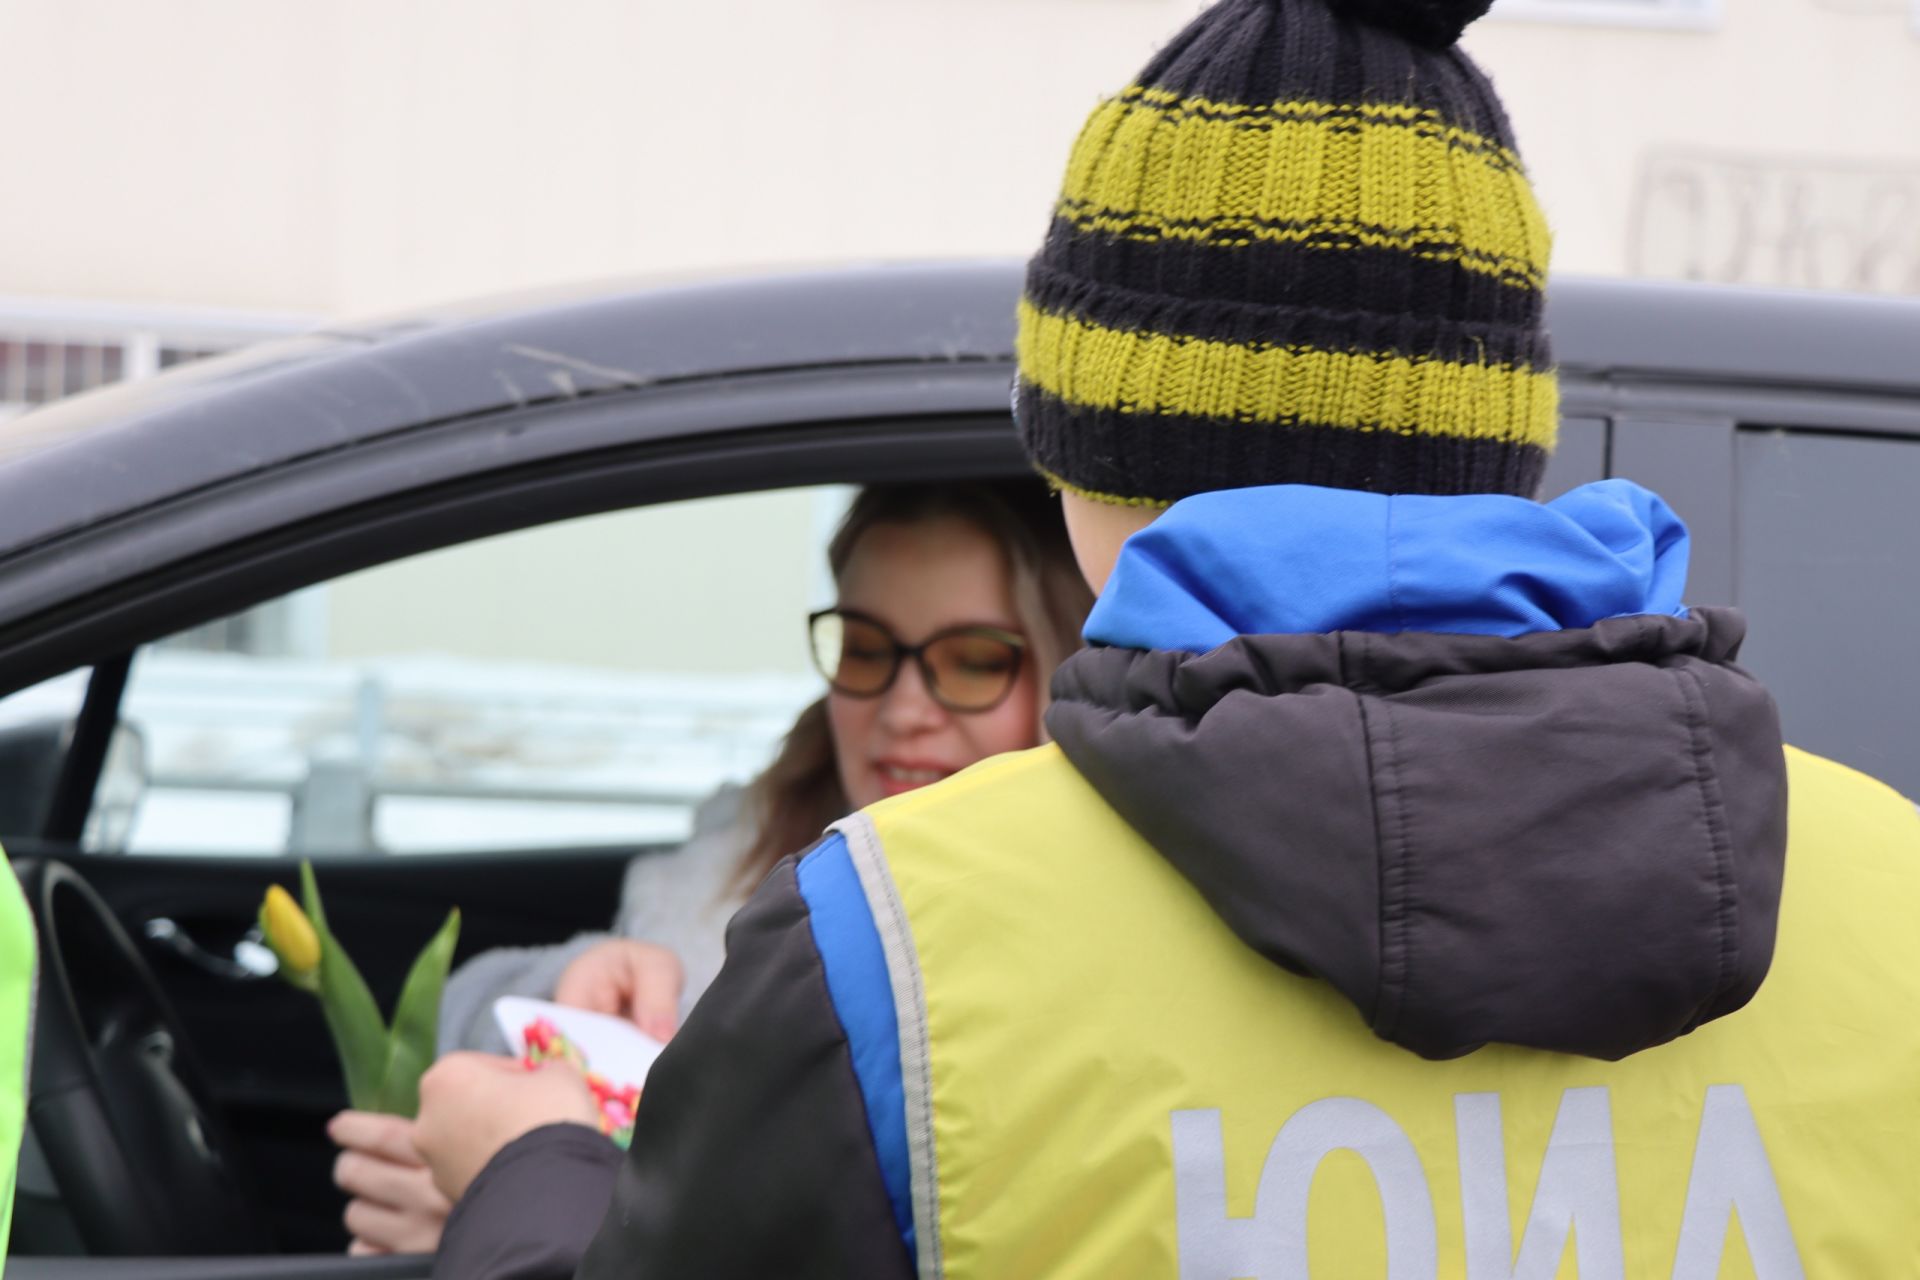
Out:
{"x": 1827, "y": 576}
{"x": 581, "y": 684}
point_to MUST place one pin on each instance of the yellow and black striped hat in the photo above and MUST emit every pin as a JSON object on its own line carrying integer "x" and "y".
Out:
{"x": 1300, "y": 249}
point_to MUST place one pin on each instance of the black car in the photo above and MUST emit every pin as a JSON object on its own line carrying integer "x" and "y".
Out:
{"x": 228, "y": 597}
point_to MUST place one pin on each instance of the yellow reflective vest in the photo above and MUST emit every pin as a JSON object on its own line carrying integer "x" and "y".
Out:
{"x": 1103, "y": 1081}
{"x": 17, "y": 954}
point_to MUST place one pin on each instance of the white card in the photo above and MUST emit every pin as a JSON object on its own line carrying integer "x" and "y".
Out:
{"x": 613, "y": 1047}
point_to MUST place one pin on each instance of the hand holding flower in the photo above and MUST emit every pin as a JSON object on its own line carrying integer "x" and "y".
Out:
{"x": 395, "y": 1208}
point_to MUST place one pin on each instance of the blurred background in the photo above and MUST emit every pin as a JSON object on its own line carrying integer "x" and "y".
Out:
{"x": 205, "y": 169}
{"x": 194, "y": 175}
{"x": 214, "y": 165}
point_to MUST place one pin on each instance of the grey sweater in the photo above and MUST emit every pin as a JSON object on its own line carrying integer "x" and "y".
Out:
{"x": 679, "y": 900}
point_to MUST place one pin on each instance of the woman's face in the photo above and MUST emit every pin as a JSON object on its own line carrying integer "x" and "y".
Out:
{"x": 919, "y": 579}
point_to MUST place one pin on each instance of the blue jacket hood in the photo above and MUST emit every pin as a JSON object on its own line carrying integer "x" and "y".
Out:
{"x": 1295, "y": 559}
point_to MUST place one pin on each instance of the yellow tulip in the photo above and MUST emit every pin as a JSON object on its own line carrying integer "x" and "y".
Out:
{"x": 292, "y": 937}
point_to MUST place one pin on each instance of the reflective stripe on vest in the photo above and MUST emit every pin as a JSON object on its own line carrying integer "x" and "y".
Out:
{"x": 1103, "y": 1081}
{"x": 17, "y": 953}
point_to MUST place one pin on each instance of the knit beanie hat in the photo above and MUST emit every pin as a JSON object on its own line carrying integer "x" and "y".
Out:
{"x": 1299, "y": 249}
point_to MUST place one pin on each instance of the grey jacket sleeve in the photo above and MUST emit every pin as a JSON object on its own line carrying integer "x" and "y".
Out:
{"x": 678, "y": 900}
{"x": 466, "y": 1006}
{"x": 751, "y": 1156}
{"x": 556, "y": 1182}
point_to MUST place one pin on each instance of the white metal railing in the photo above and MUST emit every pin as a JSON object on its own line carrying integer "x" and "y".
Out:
{"x": 54, "y": 347}
{"x": 230, "y": 753}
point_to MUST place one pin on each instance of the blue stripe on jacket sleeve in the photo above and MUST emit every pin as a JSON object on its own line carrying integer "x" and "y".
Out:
{"x": 856, "y": 967}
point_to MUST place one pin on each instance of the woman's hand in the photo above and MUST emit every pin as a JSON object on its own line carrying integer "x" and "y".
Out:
{"x": 395, "y": 1206}
{"x": 633, "y": 980}
{"x": 473, "y": 1104}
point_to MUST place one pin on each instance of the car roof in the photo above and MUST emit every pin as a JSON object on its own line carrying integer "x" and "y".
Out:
{"x": 107, "y": 454}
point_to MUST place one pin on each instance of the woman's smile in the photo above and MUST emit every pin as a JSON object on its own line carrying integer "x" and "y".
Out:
{"x": 900, "y": 776}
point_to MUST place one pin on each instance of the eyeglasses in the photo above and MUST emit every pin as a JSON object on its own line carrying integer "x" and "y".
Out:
{"x": 965, "y": 669}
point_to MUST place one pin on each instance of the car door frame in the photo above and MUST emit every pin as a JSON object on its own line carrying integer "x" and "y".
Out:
{"x": 220, "y": 551}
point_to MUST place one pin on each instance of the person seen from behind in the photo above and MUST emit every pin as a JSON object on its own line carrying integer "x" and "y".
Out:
{"x": 955, "y": 604}
{"x": 1411, "y": 886}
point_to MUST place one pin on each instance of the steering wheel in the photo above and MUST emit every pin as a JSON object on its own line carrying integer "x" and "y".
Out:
{"x": 118, "y": 1102}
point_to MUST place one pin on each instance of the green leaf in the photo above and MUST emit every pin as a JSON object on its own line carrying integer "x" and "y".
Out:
{"x": 416, "y": 1022}
{"x": 359, "y": 1033}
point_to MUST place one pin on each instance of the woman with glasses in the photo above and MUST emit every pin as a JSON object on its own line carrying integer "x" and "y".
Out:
{"x": 955, "y": 603}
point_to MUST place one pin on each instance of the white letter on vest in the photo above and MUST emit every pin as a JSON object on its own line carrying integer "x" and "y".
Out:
{"x": 1578, "y": 1186}
{"x": 1272, "y": 1245}
{"x": 1731, "y": 1174}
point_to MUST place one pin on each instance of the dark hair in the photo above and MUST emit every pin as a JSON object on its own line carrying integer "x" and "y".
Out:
{"x": 799, "y": 794}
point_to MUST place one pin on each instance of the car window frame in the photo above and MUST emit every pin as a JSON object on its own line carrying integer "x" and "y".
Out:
{"x": 105, "y": 629}
{"x": 145, "y": 576}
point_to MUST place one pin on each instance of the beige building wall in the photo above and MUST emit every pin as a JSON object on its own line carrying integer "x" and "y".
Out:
{"x": 1780, "y": 146}
{"x": 348, "y": 156}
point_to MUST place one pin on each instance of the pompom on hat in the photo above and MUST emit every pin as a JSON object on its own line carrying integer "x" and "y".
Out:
{"x": 1300, "y": 248}
{"x": 1436, "y": 24}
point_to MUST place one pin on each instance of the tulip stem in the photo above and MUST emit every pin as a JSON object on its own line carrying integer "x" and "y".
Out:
{"x": 381, "y": 1064}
